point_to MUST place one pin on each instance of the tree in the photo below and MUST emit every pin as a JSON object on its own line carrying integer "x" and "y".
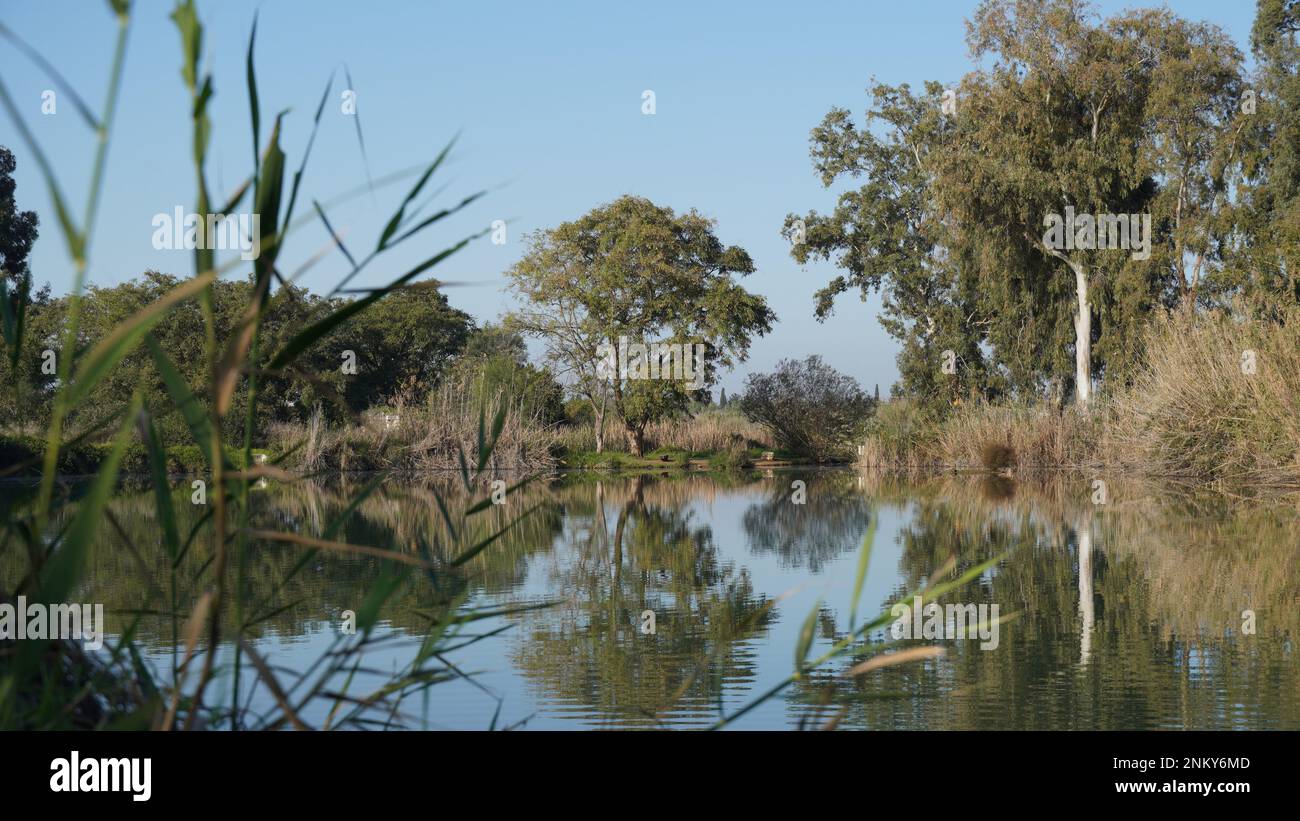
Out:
{"x": 1265, "y": 267}
{"x": 1129, "y": 117}
{"x": 722, "y": 399}
{"x": 631, "y": 272}
{"x": 495, "y": 362}
{"x": 403, "y": 344}
{"x": 18, "y": 231}
{"x": 887, "y": 236}
{"x": 810, "y": 408}
{"x": 1066, "y": 115}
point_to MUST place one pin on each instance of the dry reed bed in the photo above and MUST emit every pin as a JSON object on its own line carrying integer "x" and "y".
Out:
{"x": 1194, "y": 413}
{"x": 421, "y": 438}
{"x": 707, "y": 432}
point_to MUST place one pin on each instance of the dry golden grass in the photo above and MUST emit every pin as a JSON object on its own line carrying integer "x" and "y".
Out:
{"x": 1192, "y": 414}
{"x": 421, "y": 437}
{"x": 711, "y": 431}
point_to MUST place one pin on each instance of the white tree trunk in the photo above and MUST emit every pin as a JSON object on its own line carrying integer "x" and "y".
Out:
{"x": 1082, "y": 337}
{"x": 1082, "y": 324}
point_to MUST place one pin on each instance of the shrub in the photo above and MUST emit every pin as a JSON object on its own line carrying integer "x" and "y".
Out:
{"x": 810, "y": 408}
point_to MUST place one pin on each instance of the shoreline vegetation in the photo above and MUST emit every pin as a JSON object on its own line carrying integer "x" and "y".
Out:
{"x": 1191, "y": 414}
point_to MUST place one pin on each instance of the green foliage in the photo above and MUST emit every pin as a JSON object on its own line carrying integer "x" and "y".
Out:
{"x": 495, "y": 363}
{"x": 635, "y": 270}
{"x": 1262, "y": 274}
{"x": 811, "y": 408}
{"x": 1139, "y": 113}
{"x": 403, "y": 345}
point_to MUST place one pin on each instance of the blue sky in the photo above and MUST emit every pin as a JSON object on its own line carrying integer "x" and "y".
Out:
{"x": 548, "y": 99}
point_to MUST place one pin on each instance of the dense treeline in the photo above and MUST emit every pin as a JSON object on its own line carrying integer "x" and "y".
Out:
{"x": 395, "y": 352}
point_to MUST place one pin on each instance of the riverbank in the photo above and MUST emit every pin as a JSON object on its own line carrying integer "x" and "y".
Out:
{"x": 730, "y": 459}
{"x": 1215, "y": 402}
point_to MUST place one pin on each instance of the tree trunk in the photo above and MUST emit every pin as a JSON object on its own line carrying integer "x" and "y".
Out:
{"x": 598, "y": 411}
{"x": 1082, "y": 323}
{"x": 635, "y": 439}
{"x": 1082, "y": 337}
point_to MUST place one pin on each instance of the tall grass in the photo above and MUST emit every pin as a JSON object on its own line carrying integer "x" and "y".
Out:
{"x": 1193, "y": 413}
{"x": 710, "y": 431}
{"x": 46, "y": 683}
{"x": 419, "y": 437}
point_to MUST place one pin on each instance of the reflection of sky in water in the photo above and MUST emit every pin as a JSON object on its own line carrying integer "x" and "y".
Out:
{"x": 1037, "y": 678}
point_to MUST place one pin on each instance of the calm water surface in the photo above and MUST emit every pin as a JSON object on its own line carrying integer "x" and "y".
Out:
{"x": 1128, "y": 615}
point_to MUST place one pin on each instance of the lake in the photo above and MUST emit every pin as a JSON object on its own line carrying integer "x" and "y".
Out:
{"x": 1136, "y": 608}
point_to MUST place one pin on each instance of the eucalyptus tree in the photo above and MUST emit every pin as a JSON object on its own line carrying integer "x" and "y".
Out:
{"x": 1266, "y": 268}
{"x": 1052, "y": 128}
{"x": 888, "y": 236}
{"x": 634, "y": 272}
{"x": 1036, "y": 213}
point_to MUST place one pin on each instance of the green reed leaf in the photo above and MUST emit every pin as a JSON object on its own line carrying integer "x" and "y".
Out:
{"x": 395, "y": 222}
{"x": 806, "y": 633}
{"x": 124, "y": 337}
{"x": 192, "y": 410}
{"x": 66, "y": 565}
{"x": 309, "y": 335}
{"x": 161, "y": 489}
{"x": 253, "y": 106}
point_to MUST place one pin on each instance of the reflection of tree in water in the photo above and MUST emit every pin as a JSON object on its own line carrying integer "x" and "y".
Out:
{"x": 631, "y": 549}
{"x": 401, "y": 515}
{"x": 830, "y": 522}
{"x": 1127, "y": 619}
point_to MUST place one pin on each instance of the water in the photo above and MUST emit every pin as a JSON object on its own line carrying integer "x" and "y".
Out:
{"x": 1133, "y": 614}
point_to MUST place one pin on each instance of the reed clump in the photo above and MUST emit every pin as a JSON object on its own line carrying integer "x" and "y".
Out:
{"x": 1218, "y": 399}
{"x": 420, "y": 437}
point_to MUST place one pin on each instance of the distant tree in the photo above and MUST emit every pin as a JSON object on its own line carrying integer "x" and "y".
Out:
{"x": 722, "y": 400}
{"x": 636, "y": 270}
{"x": 495, "y": 364}
{"x": 810, "y": 408}
{"x": 18, "y": 231}
{"x": 404, "y": 343}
